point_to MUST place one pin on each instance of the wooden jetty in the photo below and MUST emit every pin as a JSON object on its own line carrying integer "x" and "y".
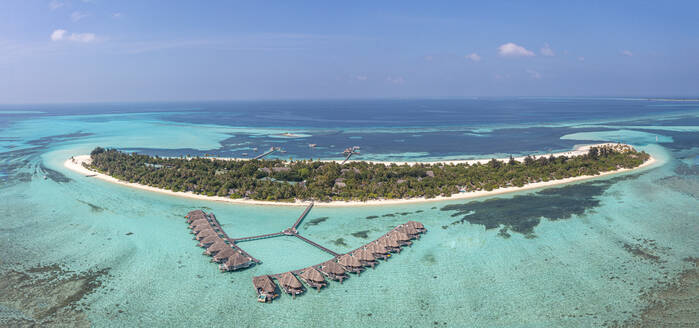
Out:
{"x": 271, "y": 150}
{"x": 349, "y": 151}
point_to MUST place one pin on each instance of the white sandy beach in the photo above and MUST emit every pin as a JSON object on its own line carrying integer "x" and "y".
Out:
{"x": 75, "y": 164}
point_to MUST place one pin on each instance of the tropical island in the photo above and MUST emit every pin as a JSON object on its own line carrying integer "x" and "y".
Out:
{"x": 356, "y": 181}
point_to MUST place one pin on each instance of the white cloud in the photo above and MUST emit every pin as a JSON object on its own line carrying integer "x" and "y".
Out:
{"x": 534, "y": 74}
{"x": 82, "y": 37}
{"x": 396, "y": 79}
{"x": 53, "y": 5}
{"x": 473, "y": 56}
{"x": 58, "y": 35}
{"x": 512, "y": 50}
{"x": 547, "y": 51}
{"x": 581, "y": 58}
{"x": 76, "y": 16}
{"x": 116, "y": 15}
{"x": 62, "y": 35}
{"x": 627, "y": 53}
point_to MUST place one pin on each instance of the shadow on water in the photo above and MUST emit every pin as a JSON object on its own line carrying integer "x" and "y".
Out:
{"x": 94, "y": 208}
{"x": 523, "y": 213}
{"x": 315, "y": 221}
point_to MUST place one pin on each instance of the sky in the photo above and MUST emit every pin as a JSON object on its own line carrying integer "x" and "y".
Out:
{"x": 121, "y": 51}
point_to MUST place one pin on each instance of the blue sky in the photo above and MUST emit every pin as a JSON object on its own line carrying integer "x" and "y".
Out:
{"x": 100, "y": 50}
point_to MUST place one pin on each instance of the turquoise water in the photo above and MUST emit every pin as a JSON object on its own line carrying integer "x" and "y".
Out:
{"x": 580, "y": 265}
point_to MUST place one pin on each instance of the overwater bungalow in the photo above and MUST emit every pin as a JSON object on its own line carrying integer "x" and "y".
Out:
{"x": 333, "y": 270}
{"x": 216, "y": 247}
{"x": 350, "y": 263}
{"x": 223, "y": 255}
{"x": 289, "y": 284}
{"x": 313, "y": 278}
{"x": 205, "y": 233}
{"x": 193, "y": 215}
{"x": 198, "y": 222}
{"x": 401, "y": 237}
{"x": 201, "y": 227}
{"x": 378, "y": 251}
{"x": 265, "y": 287}
{"x": 365, "y": 257}
{"x": 207, "y": 241}
{"x": 417, "y": 225}
{"x": 409, "y": 230}
{"x": 235, "y": 262}
{"x": 389, "y": 243}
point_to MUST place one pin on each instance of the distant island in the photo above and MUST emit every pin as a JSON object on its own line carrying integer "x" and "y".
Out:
{"x": 356, "y": 181}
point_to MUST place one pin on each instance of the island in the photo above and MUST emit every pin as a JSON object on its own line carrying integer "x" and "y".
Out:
{"x": 294, "y": 182}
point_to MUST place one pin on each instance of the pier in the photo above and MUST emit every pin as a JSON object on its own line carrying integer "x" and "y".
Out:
{"x": 269, "y": 235}
{"x": 217, "y": 243}
{"x": 303, "y": 215}
{"x": 271, "y": 150}
{"x": 349, "y": 151}
{"x": 317, "y": 245}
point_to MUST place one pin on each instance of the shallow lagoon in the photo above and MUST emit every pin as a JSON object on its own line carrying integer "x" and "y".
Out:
{"x": 583, "y": 265}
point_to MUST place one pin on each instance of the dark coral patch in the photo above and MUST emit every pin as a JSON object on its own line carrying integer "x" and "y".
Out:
{"x": 524, "y": 212}
{"x": 361, "y": 234}
{"x": 315, "y": 221}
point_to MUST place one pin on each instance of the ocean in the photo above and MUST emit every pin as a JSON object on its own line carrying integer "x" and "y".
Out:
{"x": 83, "y": 252}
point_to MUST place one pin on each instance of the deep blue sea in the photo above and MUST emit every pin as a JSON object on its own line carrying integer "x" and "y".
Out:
{"x": 83, "y": 252}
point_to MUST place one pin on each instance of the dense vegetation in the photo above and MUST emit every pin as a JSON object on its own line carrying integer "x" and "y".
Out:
{"x": 305, "y": 180}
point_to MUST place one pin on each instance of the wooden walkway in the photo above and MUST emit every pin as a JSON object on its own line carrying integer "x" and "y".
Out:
{"x": 269, "y": 235}
{"x": 273, "y": 149}
{"x": 317, "y": 245}
{"x": 303, "y": 215}
{"x": 347, "y": 158}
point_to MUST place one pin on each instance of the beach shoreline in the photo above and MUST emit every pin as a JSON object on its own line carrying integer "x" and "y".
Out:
{"x": 75, "y": 164}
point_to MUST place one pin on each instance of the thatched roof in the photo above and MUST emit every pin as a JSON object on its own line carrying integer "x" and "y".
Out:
{"x": 198, "y": 222}
{"x": 265, "y": 283}
{"x": 209, "y": 240}
{"x": 312, "y": 274}
{"x": 205, "y": 233}
{"x": 224, "y": 254}
{"x": 288, "y": 279}
{"x": 195, "y": 213}
{"x": 399, "y": 235}
{"x": 332, "y": 267}
{"x": 348, "y": 260}
{"x": 408, "y": 229}
{"x": 376, "y": 248}
{"x": 218, "y": 245}
{"x": 364, "y": 255}
{"x": 200, "y": 227}
{"x": 416, "y": 225}
{"x": 389, "y": 241}
{"x": 236, "y": 259}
